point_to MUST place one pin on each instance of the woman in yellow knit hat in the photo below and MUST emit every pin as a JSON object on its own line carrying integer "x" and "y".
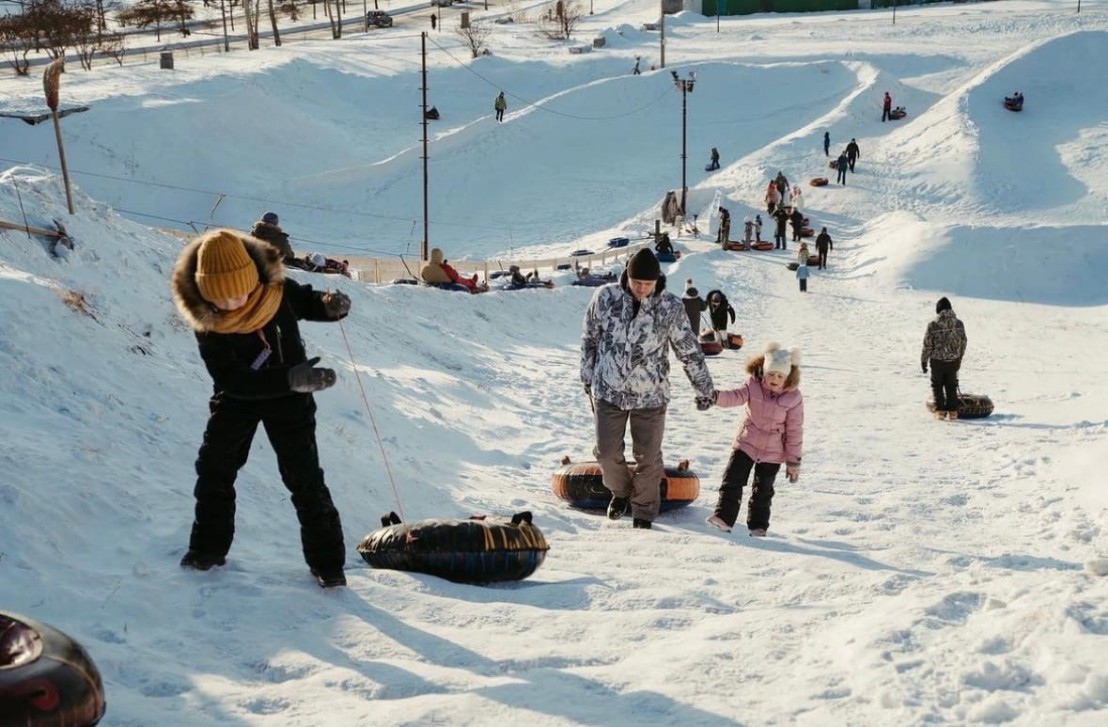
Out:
{"x": 233, "y": 292}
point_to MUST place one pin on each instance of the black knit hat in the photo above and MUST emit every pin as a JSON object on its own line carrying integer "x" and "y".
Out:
{"x": 644, "y": 266}
{"x": 943, "y": 304}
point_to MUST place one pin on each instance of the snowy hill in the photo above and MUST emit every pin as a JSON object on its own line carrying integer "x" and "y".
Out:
{"x": 919, "y": 571}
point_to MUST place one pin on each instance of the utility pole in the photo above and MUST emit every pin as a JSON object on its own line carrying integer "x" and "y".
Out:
{"x": 423, "y": 256}
{"x": 685, "y": 86}
{"x": 662, "y": 49}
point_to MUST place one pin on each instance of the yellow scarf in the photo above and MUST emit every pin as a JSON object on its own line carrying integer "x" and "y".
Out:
{"x": 261, "y": 305}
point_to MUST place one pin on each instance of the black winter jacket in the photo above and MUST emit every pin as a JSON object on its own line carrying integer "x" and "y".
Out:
{"x": 231, "y": 358}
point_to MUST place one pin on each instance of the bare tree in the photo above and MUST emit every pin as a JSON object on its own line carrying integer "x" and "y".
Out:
{"x": 114, "y": 46}
{"x": 273, "y": 23}
{"x": 334, "y": 17}
{"x": 475, "y": 37}
{"x": 146, "y": 13}
{"x": 251, "y": 10}
{"x": 54, "y": 26}
{"x": 562, "y": 20}
{"x": 17, "y": 40}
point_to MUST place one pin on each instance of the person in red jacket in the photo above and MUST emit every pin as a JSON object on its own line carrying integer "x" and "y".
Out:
{"x": 886, "y": 107}
{"x": 771, "y": 433}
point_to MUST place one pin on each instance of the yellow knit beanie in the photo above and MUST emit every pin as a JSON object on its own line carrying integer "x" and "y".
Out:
{"x": 224, "y": 270}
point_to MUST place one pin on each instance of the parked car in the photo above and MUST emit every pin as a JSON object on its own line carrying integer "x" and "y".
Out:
{"x": 378, "y": 19}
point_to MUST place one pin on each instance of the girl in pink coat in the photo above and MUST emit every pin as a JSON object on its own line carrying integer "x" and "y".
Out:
{"x": 772, "y": 433}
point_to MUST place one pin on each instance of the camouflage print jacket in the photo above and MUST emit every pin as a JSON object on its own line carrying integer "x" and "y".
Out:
{"x": 945, "y": 339}
{"x": 625, "y": 355}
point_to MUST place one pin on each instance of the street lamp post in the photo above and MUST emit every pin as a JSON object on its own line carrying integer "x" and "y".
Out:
{"x": 685, "y": 86}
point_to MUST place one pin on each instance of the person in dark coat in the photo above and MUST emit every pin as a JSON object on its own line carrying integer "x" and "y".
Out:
{"x": 724, "y": 234}
{"x": 852, "y": 153}
{"x": 782, "y": 218}
{"x": 823, "y": 244}
{"x": 842, "y": 165}
{"x": 827, "y": 143}
{"x": 500, "y": 105}
{"x": 782, "y": 184}
{"x": 797, "y": 221}
{"x": 886, "y": 107}
{"x": 663, "y": 245}
{"x": 714, "y": 163}
{"x": 718, "y": 310}
{"x": 267, "y": 229}
{"x": 232, "y": 291}
{"x": 944, "y": 345}
{"x": 694, "y": 306}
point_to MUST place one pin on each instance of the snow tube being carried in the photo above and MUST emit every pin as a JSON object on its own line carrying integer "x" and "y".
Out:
{"x": 582, "y": 485}
{"x": 818, "y": 181}
{"x": 46, "y": 678}
{"x": 970, "y": 406}
{"x": 711, "y": 347}
{"x": 476, "y": 550}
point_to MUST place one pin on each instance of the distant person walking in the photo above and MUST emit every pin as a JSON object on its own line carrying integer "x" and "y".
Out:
{"x": 852, "y": 153}
{"x": 500, "y": 105}
{"x": 782, "y": 218}
{"x": 827, "y": 143}
{"x": 886, "y": 107}
{"x": 842, "y": 165}
{"x": 823, "y": 244}
{"x": 434, "y": 21}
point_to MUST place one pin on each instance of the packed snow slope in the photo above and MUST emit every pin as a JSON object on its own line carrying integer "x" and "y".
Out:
{"x": 920, "y": 572}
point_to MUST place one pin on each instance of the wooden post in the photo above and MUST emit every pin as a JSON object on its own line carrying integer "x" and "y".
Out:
{"x": 50, "y": 83}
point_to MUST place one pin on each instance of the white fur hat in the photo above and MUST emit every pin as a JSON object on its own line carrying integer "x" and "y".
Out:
{"x": 780, "y": 360}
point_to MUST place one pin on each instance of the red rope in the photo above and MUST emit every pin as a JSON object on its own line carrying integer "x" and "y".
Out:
{"x": 372, "y": 421}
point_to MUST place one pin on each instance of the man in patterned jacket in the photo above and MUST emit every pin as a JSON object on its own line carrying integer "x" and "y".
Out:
{"x": 628, "y": 331}
{"x": 944, "y": 344}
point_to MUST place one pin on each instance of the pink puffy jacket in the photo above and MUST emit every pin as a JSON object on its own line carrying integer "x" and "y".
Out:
{"x": 773, "y": 428}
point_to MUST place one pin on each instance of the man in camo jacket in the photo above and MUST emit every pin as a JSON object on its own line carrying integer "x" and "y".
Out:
{"x": 944, "y": 344}
{"x": 628, "y": 331}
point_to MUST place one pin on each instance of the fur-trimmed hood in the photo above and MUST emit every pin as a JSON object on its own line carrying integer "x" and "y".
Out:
{"x": 199, "y": 313}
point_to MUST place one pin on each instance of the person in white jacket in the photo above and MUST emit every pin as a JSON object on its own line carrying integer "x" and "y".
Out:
{"x": 629, "y": 329}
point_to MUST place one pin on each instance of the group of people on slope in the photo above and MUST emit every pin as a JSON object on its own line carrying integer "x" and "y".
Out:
{"x": 232, "y": 291}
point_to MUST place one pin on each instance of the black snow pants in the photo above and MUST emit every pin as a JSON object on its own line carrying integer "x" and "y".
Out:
{"x": 290, "y": 425}
{"x": 944, "y": 384}
{"x": 761, "y": 493}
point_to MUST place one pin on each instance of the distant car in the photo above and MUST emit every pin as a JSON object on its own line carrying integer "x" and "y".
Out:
{"x": 442, "y": 3}
{"x": 378, "y": 19}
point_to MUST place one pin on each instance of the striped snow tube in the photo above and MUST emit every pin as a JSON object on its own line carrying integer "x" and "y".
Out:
{"x": 464, "y": 551}
{"x": 46, "y": 678}
{"x": 582, "y": 485}
{"x": 970, "y": 406}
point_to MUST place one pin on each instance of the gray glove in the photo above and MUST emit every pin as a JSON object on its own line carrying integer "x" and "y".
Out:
{"x": 704, "y": 403}
{"x": 304, "y": 378}
{"x": 337, "y": 304}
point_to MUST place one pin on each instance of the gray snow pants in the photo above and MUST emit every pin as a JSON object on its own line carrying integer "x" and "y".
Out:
{"x": 647, "y": 429}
